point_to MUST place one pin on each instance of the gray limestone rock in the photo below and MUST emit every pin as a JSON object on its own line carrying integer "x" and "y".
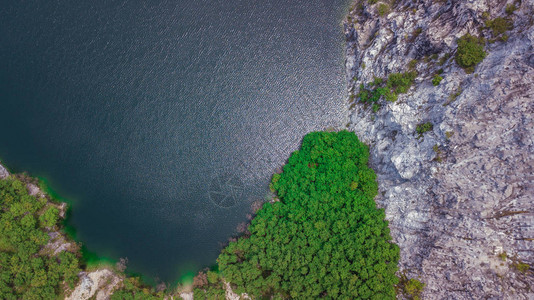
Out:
{"x": 3, "y": 172}
{"x": 462, "y": 194}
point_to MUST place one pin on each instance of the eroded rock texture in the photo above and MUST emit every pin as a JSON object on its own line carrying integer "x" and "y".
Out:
{"x": 98, "y": 284}
{"x": 459, "y": 198}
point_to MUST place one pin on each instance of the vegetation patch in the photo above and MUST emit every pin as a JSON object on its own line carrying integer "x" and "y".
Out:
{"x": 453, "y": 96}
{"x": 510, "y": 9}
{"x": 376, "y": 107}
{"x": 521, "y": 267}
{"x": 396, "y": 83}
{"x": 498, "y": 27}
{"x": 470, "y": 52}
{"x": 436, "y": 80}
{"x": 444, "y": 59}
{"x": 410, "y": 288}
{"x": 412, "y": 64}
{"x": 437, "y": 150}
{"x": 325, "y": 237}
{"x": 133, "y": 289}
{"x": 383, "y": 9}
{"x": 413, "y": 289}
{"x": 208, "y": 285}
{"x": 28, "y": 269}
{"x": 424, "y": 127}
{"x": 24, "y": 273}
{"x": 416, "y": 33}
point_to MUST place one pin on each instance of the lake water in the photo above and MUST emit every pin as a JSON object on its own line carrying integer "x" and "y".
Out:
{"x": 162, "y": 121}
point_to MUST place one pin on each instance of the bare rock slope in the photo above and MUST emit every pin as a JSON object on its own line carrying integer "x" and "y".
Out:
{"x": 460, "y": 197}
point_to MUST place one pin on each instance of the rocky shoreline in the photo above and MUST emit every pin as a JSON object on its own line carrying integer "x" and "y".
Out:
{"x": 97, "y": 283}
{"x": 458, "y": 197}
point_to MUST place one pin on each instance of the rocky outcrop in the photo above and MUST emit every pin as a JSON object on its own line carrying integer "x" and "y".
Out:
{"x": 459, "y": 198}
{"x": 3, "y": 172}
{"x": 98, "y": 284}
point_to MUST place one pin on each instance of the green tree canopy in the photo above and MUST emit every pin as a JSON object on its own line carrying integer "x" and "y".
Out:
{"x": 24, "y": 272}
{"x": 325, "y": 237}
{"x": 470, "y": 52}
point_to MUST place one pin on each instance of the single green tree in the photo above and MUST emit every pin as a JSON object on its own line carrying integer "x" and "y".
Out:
{"x": 470, "y": 52}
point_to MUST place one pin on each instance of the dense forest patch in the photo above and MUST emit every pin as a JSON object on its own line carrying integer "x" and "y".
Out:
{"x": 25, "y": 273}
{"x": 325, "y": 237}
{"x": 28, "y": 269}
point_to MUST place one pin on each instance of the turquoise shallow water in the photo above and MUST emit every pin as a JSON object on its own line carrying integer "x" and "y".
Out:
{"x": 163, "y": 121}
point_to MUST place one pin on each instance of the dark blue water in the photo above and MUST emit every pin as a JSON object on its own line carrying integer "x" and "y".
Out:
{"x": 163, "y": 120}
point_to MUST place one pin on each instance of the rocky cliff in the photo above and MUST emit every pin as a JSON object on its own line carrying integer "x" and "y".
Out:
{"x": 459, "y": 197}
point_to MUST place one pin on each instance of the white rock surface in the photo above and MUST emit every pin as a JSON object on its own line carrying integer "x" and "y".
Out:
{"x": 3, "y": 172}
{"x": 98, "y": 284}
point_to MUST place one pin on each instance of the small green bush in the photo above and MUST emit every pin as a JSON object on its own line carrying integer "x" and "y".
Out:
{"x": 521, "y": 267}
{"x": 413, "y": 288}
{"x": 376, "y": 107}
{"x": 436, "y": 149}
{"x": 377, "y": 81}
{"x": 470, "y": 52}
{"x": 424, "y": 127}
{"x": 436, "y": 80}
{"x": 454, "y": 96}
{"x": 371, "y": 2}
{"x": 499, "y": 25}
{"x": 412, "y": 64}
{"x": 510, "y": 8}
{"x": 397, "y": 83}
{"x": 383, "y": 9}
{"x": 444, "y": 59}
